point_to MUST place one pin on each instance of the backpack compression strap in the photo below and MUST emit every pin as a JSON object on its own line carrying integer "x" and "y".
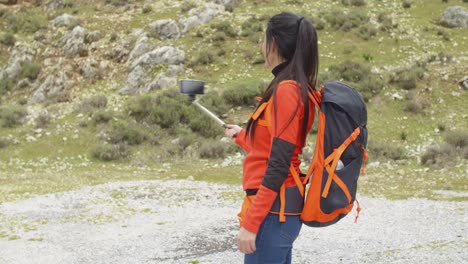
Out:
{"x": 333, "y": 158}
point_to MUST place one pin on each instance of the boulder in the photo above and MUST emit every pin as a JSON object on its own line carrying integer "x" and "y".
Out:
{"x": 65, "y": 20}
{"x": 74, "y": 42}
{"x": 136, "y": 81}
{"x": 91, "y": 70}
{"x": 52, "y": 85}
{"x": 165, "y": 29}
{"x": 199, "y": 16}
{"x": 463, "y": 83}
{"x": 19, "y": 55}
{"x": 142, "y": 46}
{"x": 93, "y": 36}
{"x": 166, "y": 54}
{"x": 54, "y": 4}
{"x": 140, "y": 79}
{"x": 455, "y": 16}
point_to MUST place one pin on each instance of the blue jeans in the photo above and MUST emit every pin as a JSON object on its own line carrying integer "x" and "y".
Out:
{"x": 274, "y": 241}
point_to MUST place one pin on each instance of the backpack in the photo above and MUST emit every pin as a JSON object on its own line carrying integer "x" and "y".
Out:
{"x": 340, "y": 152}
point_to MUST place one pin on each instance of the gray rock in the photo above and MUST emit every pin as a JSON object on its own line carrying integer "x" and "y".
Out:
{"x": 136, "y": 81}
{"x": 165, "y": 29}
{"x": 74, "y": 42}
{"x": 91, "y": 70}
{"x": 53, "y": 84}
{"x": 455, "y": 16}
{"x": 142, "y": 46}
{"x": 19, "y": 55}
{"x": 199, "y": 16}
{"x": 165, "y": 80}
{"x": 463, "y": 83}
{"x": 92, "y": 37}
{"x": 65, "y": 20}
{"x": 54, "y": 4}
{"x": 117, "y": 54}
{"x": 166, "y": 54}
{"x": 139, "y": 80}
{"x": 225, "y": 3}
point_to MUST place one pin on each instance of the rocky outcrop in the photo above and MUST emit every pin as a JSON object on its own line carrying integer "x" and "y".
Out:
{"x": 167, "y": 54}
{"x": 455, "y": 16}
{"x": 140, "y": 79}
{"x": 65, "y": 20}
{"x": 199, "y": 16}
{"x": 164, "y": 29}
{"x": 463, "y": 83}
{"x": 142, "y": 46}
{"x": 52, "y": 85}
{"x": 54, "y": 4}
{"x": 74, "y": 43}
{"x": 18, "y": 56}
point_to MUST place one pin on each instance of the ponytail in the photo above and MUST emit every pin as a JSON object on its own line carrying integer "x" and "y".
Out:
{"x": 296, "y": 40}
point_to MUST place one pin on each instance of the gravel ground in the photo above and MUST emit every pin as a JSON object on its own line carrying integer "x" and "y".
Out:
{"x": 189, "y": 221}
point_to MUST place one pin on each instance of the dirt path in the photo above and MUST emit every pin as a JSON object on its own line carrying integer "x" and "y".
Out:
{"x": 184, "y": 221}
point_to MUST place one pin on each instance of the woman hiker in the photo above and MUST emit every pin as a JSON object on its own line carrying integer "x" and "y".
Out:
{"x": 274, "y": 138}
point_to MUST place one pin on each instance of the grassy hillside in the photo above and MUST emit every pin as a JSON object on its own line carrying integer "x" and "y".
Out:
{"x": 395, "y": 52}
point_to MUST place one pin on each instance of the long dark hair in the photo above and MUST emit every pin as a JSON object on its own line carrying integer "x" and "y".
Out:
{"x": 296, "y": 41}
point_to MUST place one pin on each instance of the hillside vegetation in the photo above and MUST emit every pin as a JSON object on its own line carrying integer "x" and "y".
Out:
{"x": 89, "y": 89}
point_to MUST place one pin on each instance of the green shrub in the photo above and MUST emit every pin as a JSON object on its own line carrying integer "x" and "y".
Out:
{"x": 27, "y": 21}
{"x": 30, "y": 70}
{"x": 242, "y": 94}
{"x": 203, "y": 125}
{"x": 216, "y": 103}
{"x": 225, "y": 27}
{"x": 187, "y": 6}
{"x": 353, "y": 2}
{"x": 8, "y": 39}
{"x": 445, "y": 36}
{"x": 350, "y": 71}
{"x": 369, "y": 87}
{"x": 127, "y": 132}
{"x": 42, "y": 120}
{"x": 380, "y": 150}
{"x": 445, "y": 154}
{"x": 12, "y": 116}
{"x": 117, "y": 2}
{"x": 167, "y": 109}
{"x": 101, "y": 117}
{"x": 6, "y": 84}
{"x": 318, "y": 22}
{"x": 219, "y": 36}
{"x": 416, "y": 104}
{"x": 251, "y": 26}
{"x": 407, "y": 3}
{"x": 407, "y": 78}
{"x": 439, "y": 155}
{"x": 205, "y": 57}
{"x": 366, "y": 32}
{"x": 456, "y": 138}
{"x": 386, "y": 23}
{"x": 92, "y": 103}
{"x": 147, "y": 9}
{"x": 110, "y": 152}
{"x": 345, "y": 22}
{"x": 68, "y": 3}
{"x": 4, "y": 143}
{"x": 213, "y": 149}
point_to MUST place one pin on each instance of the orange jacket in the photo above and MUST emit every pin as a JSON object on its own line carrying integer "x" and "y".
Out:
{"x": 269, "y": 155}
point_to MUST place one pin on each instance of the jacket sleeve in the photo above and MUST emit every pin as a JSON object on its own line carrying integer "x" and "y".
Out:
{"x": 285, "y": 125}
{"x": 240, "y": 140}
